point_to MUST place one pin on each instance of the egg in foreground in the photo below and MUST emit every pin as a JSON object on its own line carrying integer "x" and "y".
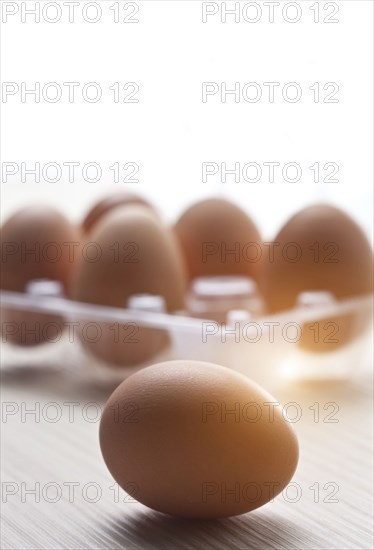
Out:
{"x": 197, "y": 440}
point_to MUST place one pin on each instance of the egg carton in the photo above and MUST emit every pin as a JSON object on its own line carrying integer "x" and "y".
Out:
{"x": 262, "y": 346}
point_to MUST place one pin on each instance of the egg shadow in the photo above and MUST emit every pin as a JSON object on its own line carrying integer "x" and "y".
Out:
{"x": 147, "y": 529}
{"x": 53, "y": 383}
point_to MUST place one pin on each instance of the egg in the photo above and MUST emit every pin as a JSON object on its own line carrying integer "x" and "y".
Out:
{"x": 135, "y": 254}
{"x": 218, "y": 238}
{"x": 197, "y": 440}
{"x": 37, "y": 243}
{"x": 106, "y": 204}
{"x": 319, "y": 249}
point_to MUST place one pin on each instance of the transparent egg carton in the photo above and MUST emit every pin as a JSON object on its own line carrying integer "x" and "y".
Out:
{"x": 225, "y": 323}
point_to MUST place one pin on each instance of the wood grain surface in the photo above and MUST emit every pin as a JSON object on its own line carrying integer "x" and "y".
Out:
{"x": 327, "y": 506}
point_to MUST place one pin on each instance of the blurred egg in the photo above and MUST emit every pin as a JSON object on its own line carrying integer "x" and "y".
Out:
{"x": 218, "y": 238}
{"x": 197, "y": 440}
{"x": 106, "y": 204}
{"x": 319, "y": 249}
{"x": 37, "y": 242}
{"x": 128, "y": 253}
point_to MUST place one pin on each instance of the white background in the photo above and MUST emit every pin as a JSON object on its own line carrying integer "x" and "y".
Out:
{"x": 170, "y": 132}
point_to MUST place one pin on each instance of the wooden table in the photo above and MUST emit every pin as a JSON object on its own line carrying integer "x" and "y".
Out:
{"x": 328, "y": 505}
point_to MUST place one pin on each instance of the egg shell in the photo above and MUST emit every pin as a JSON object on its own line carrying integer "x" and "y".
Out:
{"x": 55, "y": 243}
{"x": 214, "y": 235}
{"x": 335, "y": 256}
{"x": 145, "y": 260}
{"x": 169, "y": 437}
{"x": 105, "y": 205}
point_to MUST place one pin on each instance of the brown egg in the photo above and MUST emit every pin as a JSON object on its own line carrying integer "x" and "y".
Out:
{"x": 106, "y": 204}
{"x": 319, "y": 249}
{"x": 218, "y": 238}
{"x": 37, "y": 243}
{"x": 197, "y": 440}
{"x": 137, "y": 256}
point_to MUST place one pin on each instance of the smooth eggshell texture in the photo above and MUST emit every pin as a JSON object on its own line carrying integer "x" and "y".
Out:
{"x": 335, "y": 256}
{"x": 209, "y": 230}
{"x": 166, "y": 439}
{"x": 149, "y": 262}
{"x": 47, "y": 232}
